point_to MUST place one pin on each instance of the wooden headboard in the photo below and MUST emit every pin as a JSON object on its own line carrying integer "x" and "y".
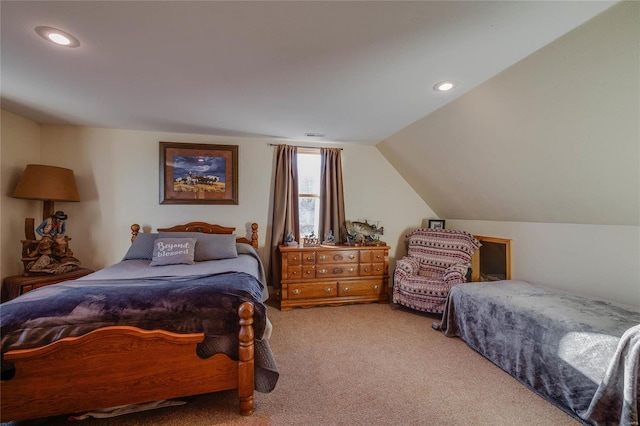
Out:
{"x": 207, "y": 228}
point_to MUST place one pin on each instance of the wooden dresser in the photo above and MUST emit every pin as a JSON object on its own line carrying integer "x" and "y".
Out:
{"x": 333, "y": 275}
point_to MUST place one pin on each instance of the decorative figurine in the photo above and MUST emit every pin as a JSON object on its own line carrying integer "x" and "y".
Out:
{"x": 290, "y": 240}
{"x": 329, "y": 239}
{"x": 51, "y": 254}
{"x": 363, "y": 233}
{"x": 53, "y": 225}
{"x": 311, "y": 240}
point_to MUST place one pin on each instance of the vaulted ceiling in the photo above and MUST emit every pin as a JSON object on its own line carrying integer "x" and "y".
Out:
{"x": 352, "y": 71}
{"x": 555, "y": 138}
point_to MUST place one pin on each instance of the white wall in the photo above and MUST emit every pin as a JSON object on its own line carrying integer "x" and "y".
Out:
{"x": 117, "y": 172}
{"x": 19, "y": 146}
{"x": 602, "y": 261}
{"x": 546, "y": 153}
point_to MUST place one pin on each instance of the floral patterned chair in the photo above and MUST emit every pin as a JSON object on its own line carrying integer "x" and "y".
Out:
{"x": 437, "y": 259}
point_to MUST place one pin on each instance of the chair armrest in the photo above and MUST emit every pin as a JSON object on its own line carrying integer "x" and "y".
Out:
{"x": 408, "y": 265}
{"x": 456, "y": 274}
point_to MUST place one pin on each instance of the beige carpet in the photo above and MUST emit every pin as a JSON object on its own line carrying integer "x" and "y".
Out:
{"x": 366, "y": 365}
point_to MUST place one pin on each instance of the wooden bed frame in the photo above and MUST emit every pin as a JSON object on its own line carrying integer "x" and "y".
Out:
{"x": 93, "y": 371}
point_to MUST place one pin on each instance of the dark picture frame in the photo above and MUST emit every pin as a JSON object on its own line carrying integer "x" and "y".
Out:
{"x": 436, "y": 224}
{"x": 193, "y": 173}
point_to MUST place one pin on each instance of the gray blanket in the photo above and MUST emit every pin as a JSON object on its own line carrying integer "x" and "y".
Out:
{"x": 580, "y": 354}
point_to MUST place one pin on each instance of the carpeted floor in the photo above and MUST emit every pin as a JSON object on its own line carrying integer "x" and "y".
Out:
{"x": 365, "y": 365}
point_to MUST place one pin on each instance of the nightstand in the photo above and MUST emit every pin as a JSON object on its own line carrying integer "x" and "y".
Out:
{"x": 16, "y": 285}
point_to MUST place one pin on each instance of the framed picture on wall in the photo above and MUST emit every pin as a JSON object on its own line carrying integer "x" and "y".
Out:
{"x": 436, "y": 224}
{"x": 198, "y": 173}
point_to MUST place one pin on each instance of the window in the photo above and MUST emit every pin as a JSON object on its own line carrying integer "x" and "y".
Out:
{"x": 308, "y": 191}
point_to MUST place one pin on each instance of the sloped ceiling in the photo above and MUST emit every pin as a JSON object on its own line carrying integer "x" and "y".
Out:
{"x": 355, "y": 71}
{"x": 554, "y": 138}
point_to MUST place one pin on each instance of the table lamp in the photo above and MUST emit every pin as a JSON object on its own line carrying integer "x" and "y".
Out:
{"x": 46, "y": 183}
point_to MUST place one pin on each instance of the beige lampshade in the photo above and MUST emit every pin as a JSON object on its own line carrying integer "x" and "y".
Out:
{"x": 47, "y": 183}
{"x": 51, "y": 183}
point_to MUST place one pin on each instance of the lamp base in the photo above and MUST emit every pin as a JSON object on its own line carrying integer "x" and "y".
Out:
{"x": 29, "y": 229}
{"x": 47, "y": 209}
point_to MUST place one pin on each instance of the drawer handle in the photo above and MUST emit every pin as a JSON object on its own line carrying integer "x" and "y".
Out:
{"x": 296, "y": 291}
{"x": 376, "y": 287}
{"x": 346, "y": 289}
{"x": 378, "y": 269}
{"x": 307, "y": 272}
{"x": 337, "y": 270}
{"x": 352, "y": 256}
{"x": 328, "y": 290}
{"x": 323, "y": 257}
{"x": 366, "y": 269}
{"x": 378, "y": 256}
{"x": 322, "y": 271}
{"x": 294, "y": 257}
{"x": 352, "y": 270}
{"x": 309, "y": 257}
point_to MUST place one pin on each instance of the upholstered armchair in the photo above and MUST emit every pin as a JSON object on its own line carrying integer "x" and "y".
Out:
{"x": 436, "y": 260}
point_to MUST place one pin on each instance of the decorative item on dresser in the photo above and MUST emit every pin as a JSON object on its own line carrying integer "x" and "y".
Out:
{"x": 333, "y": 275}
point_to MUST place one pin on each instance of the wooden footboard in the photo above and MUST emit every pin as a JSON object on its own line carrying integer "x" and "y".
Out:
{"x": 122, "y": 365}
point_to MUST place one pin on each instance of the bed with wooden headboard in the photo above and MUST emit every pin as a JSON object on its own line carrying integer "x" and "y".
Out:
{"x": 100, "y": 363}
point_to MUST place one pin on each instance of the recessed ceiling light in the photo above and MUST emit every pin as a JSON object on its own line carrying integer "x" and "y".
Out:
{"x": 57, "y": 36}
{"x": 444, "y": 86}
{"x": 314, "y": 135}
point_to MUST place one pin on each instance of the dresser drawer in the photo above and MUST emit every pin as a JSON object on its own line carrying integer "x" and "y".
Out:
{"x": 308, "y": 272}
{"x": 372, "y": 256}
{"x": 293, "y": 258}
{"x": 309, "y": 258}
{"x": 360, "y": 288}
{"x": 291, "y": 272}
{"x": 372, "y": 269}
{"x": 310, "y": 291}
{"x": 336, "y": 271}
{"x": 294, "y": 273}
{"x": 337, "y": 256}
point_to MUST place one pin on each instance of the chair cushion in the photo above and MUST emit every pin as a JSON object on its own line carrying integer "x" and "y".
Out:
{"x": 441, "y": 248}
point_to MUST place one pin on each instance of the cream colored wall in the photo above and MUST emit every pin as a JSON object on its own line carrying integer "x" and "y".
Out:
{"x": 19, "y": 146}
{"x": 547, "y": 153}
{"x": 117, "y": 172}
{"x": 595, "y": 260}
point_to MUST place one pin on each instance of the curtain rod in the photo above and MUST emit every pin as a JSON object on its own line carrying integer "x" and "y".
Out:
{"x": 299, "y": 146}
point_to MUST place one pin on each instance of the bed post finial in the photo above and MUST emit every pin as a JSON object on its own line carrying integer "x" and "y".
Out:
{"x": 246, "y": 358}
{"x": 135, "y": 228}
{"x": 254, "y": 235}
